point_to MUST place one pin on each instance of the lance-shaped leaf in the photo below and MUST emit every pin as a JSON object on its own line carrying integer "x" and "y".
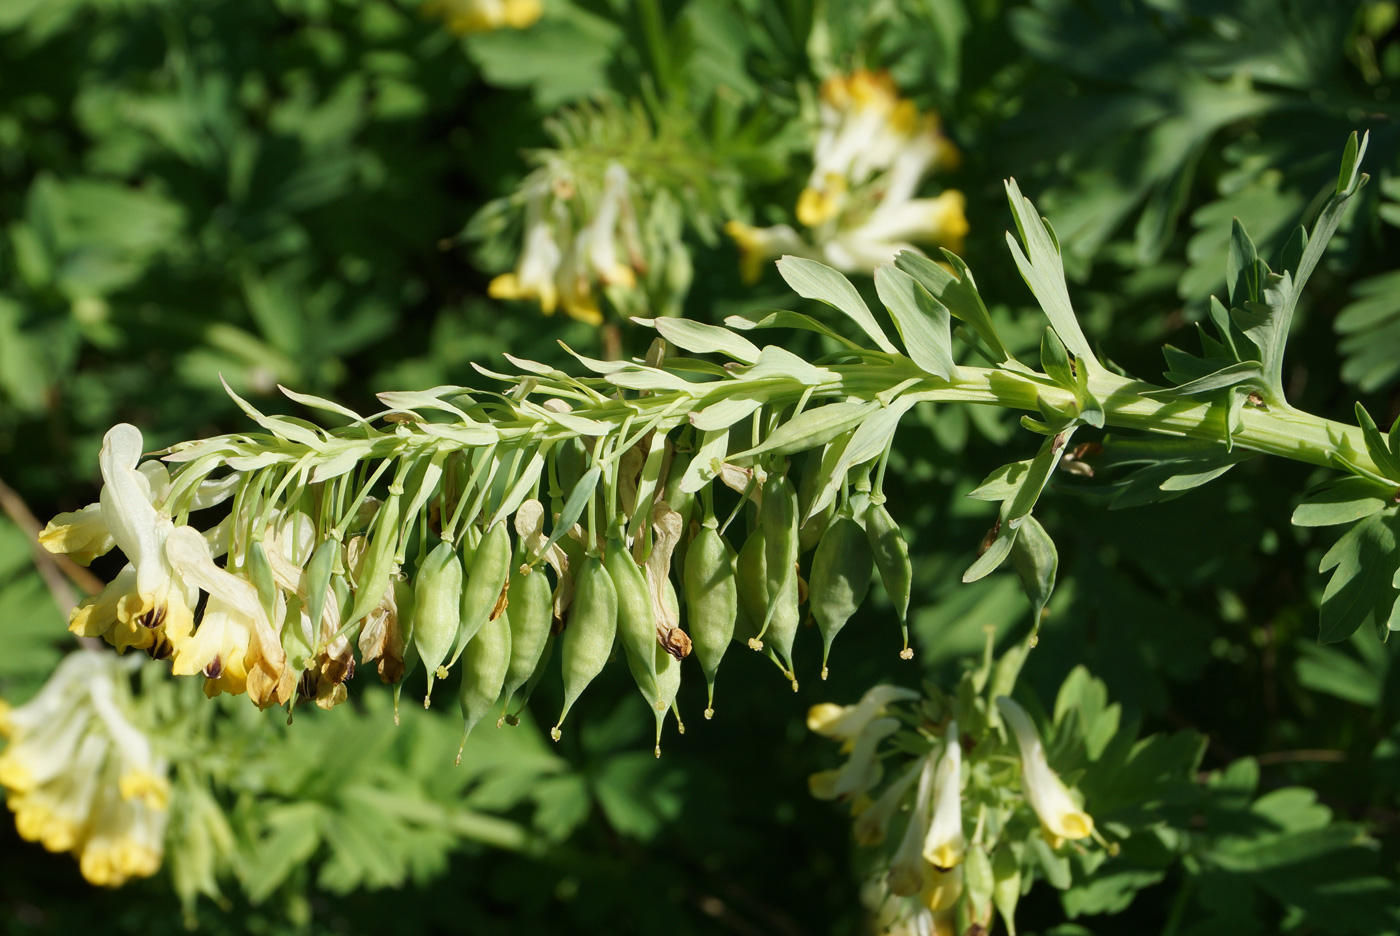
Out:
{"x": 867, "y": 442}
{"x": 923, "y": 322}
{"x": 1342, "y": 500}
{"x": 700, "y": 338}
{"x": 956, "y": 292}
{"x": 1242, "y": 372}
{"x": 1267, "y": 321}
{"x": 813, "y": 280}
{"x": 574, "y": 506}
{"x": 1381, "y": 453}
{"x": 706, "y": 463}
{"x": 812, "y": 428}
{"x": 784, "y": 318}
{"x": 1044, "y": 273}
{"x": 1363, "y": 566}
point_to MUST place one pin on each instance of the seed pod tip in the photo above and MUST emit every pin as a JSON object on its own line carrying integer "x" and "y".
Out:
{"x": 824, "y": 672}
{"x": 907, "y": 653}
{"x": 755, "y": 643}
{"x": 709, "y": 713}
{"x": 555, "y": 733}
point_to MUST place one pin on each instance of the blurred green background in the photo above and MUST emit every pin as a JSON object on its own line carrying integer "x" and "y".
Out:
{"x": 276, "y": 191}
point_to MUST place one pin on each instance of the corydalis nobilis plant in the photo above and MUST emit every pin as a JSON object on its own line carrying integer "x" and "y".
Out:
{"x": 490, "y": 529}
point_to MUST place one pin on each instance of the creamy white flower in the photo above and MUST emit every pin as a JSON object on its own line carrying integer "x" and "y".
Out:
{"x": 872, "y": 824}
{"x": 80, "y": 776}
{"x": 759, "y": 245}
{"x": 845, "y": 722}
{"x": 600, "y": 236}
{"x": 944, "y": 845}
{"x": 1059, "y": 815}
{"x": 535, "y": 277}
{"x": 236, "y": 647}
{"x": 908, "y": 868}
{"x": 152, "y": 610}
{"x": 476, "y": 16}
{"x": 862, "y": 768}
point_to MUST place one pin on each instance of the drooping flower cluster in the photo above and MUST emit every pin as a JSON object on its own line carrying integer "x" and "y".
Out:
{"x": 861, "y": 204}
{"x": 577, "y": 244}
{"x": 954, "y": 809}
{"x": 476, "y": 16}
{"x": 81, "y": 777}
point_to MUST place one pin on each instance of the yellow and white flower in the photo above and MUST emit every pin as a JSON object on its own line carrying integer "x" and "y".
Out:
{"x": 872, "y": 152}
{"x": 862, "y": 768}
{"x": 944, "y": 845}
{"x": 845, "y": 722}
{"x": 908, "y": 869}
{"x": 236, "y": 641}
{"x": 147, "y": 602}
{"x": 1060, "y": 816}
{"x": 81, "y": 777}
{"x": 561, "y": 269}
{"x": 476, "y": 16}
{"x": 536, "y": 276}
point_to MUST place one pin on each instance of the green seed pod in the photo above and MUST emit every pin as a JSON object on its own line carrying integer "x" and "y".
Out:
{"x": 753, "y": 604}
{"x": 588, "y": 639}
{"x": 636, "y": 619}
{"x": 570, "y": 463}
{"x": 841, "y": 572}
{"x": 531, "y": 603}
{"x": 379, "y": 560}
{"x": 751, "y": 577}
{"x": 318, "y": 579}
{"x": 777, "y": 517}
{"x": 484, "y": 666}
{"x": 437, "y": 599}
{"x": 404, "y": 598}
{"x": 712, "y": 602}
{"x": 259, "y": 571}
{"x": 668, "y": 682}
{"x": 892, "y": 559}
{"x": 484, "y": 594}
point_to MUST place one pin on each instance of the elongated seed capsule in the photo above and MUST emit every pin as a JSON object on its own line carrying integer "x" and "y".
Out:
{"x": 318, "y": 579}
{"x": 588, "y": 639}
{"x": 259, "y": 571}
{"x": 484, "y": 665}
{"x": 751, "y": 577}
{"x": 777, "y": 517}
{"x": 437, "y": 593}
{"x": 892, "y": 559}
{"x": 753, "y": 607}
{"x": 379, "y": 559}
{"x": 404, "y": 598}
{"x": 668, "y": 683}
{"x": 484, "y": 596}
{"x": 531, "y": 610}
{"x": 840, "y": 579}
{"x": 712, "y": 602}
{"x": 636, "y": 618}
